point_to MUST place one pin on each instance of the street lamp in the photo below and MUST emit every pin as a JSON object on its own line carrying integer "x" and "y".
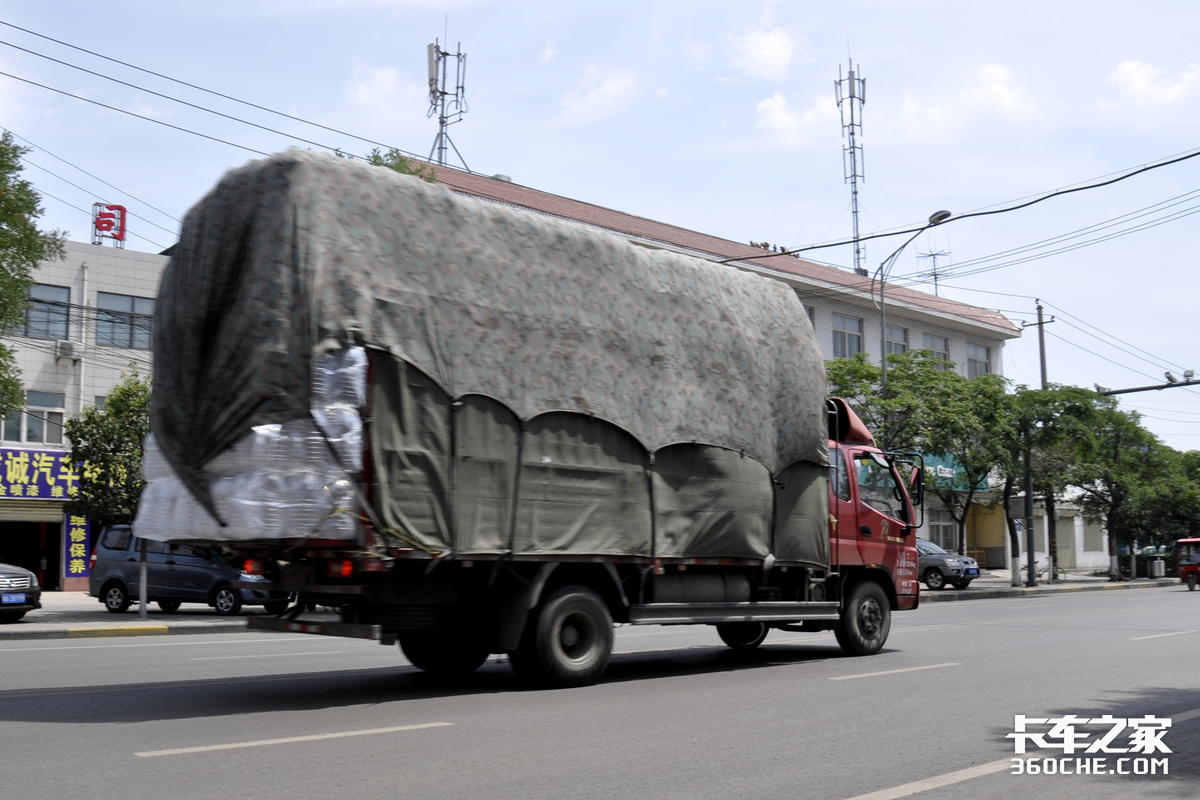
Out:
{"x": 936, "y": 218}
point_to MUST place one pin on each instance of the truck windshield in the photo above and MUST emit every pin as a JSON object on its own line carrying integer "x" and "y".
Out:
{"x": 1187, "y": 553}
{"x": 877, "y": 487}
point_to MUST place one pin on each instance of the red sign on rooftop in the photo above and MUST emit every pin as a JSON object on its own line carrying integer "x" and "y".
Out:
{"x": 108, "y": 222}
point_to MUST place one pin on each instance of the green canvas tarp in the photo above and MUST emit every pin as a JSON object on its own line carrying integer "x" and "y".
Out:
{"x": 583, "y": 352}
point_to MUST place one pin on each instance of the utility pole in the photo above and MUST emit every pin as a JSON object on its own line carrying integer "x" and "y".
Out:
{"x": 1041, "y": 326}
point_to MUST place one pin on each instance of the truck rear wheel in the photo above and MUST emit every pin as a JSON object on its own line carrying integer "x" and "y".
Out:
{"x": 866, "y": 621}
{"x": 448, "y": 653}
{"x": 570, "y": 642}
{"x": 742, "y": 635}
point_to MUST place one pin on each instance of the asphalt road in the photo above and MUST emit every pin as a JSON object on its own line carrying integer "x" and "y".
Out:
{"x": 253, "y": 716}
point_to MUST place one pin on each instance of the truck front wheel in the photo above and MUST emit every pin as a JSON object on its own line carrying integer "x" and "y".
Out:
{"x": 570, "y": 642}
{"x": 866, "y": 621}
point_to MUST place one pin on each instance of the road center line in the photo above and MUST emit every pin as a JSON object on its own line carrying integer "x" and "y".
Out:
{"x": 950, "y": 778}
{"x": 209, "y": 641}
{"x": 288, "y": 740}
{"x": 894, "y": 671}
{"x": 266, "y": 655}
{"x": 1159, "y": 635}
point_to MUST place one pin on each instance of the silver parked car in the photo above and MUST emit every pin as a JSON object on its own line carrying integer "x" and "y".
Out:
{"x": 938, "y": 567}
{"x": 19, "y": 592}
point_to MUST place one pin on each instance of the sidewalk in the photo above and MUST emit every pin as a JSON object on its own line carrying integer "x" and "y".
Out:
{"x": 72, "y": 615}
{"x": 998, "y": 583}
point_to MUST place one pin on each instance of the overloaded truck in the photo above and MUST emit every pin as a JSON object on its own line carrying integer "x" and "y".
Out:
{"x": 475, "y": 429}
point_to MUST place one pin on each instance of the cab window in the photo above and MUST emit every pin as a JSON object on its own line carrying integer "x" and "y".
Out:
{"x": 877, "y": 487}
{"x": 838, "y": 475}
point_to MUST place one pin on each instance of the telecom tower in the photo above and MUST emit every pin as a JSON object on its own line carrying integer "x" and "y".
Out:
{"x": 448, "y": 104}
{"x": 851, "y": 93}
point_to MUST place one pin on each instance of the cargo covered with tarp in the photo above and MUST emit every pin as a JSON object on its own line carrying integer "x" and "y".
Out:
{"x": 529, "y": 385}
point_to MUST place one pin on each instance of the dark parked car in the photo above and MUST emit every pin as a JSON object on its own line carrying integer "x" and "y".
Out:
{"x": 938, "y": 567}
{"x": 19, "y": 592}
{"x": 175, "y": 573}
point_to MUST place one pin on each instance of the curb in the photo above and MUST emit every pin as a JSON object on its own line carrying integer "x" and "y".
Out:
{"x": 1024, "y": 591}
{"x": 8, "y": 634}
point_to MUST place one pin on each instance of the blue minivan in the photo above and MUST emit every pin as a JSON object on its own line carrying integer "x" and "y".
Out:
{"x": 176, "y": 573}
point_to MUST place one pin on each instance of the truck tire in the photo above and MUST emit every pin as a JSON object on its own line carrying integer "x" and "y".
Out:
{"x": 569, "y": 643}
{"x": 169, "y": 606}
{"x": 445, "y": 653}
{"x": 742, "y": 635}
{"x": 866, "y": 621}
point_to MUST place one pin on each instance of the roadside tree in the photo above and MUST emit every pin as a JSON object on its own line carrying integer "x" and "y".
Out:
{"x": 22, "y": 246}
{"x": 108, "y": 443}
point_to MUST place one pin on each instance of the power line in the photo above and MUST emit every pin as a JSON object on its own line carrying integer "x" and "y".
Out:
{"x": 90, "y": 175}
{"x": 1105, "y": 358}
{"x": 132, "y": 114}
{"x": 68, "y": 204}
{"x": 168, "y": 97}
{"x": 207, "y": 91}
{"x": 80, "y": 188}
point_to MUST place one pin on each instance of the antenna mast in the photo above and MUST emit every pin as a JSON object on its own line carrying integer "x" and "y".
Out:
{"x": 850, "y": 102}
{"x": 934, "y": 272}
{"x": 449, "y": 104}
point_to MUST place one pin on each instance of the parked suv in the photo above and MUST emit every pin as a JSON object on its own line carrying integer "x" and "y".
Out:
{"x": 175, "y": 573}
{"x": 938, "y": 567}
{"x": 19, "y": 592}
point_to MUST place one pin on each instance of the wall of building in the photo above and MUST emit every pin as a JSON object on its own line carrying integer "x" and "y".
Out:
{"x": 34, "y": 529}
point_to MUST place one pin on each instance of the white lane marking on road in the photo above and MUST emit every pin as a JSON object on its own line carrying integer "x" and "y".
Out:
{"x": 265, "y": 655}
{"x": 950, "y": 778}
{"x": 1160, "y": 635}
{"x": 290, "y": 739}
{"x": 276, "y": 638}
{"x": 894, "y": 671}
{"x": 1185, "y": 716}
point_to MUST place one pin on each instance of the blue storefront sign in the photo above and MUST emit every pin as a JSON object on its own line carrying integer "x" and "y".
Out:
{"x": 37, "y": 474}
{"x": 50, "y": 475}
{"x": 76, "y": 563}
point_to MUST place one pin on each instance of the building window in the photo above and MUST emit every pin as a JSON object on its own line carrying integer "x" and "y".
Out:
{"x": 896, "y": 340}
{"x": 943, "y": 531}
{"x": 847, "y": 336}
{"x": 939, "y": 346}
{"x": 124, "y": 321}
{"x": 979, "y": 360}
{"x": 100, "y": 401}
{"x": 41, "y": 421}
{"x": 48, "y": 313}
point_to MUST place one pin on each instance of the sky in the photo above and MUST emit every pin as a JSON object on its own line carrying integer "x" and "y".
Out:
{"x": 715, "y": 116}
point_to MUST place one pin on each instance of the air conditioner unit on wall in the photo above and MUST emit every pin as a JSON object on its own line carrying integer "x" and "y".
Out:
{"x": 65, "y": 350}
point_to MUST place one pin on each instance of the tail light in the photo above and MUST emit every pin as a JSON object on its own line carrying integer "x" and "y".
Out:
{"x": 340, "y": 569}
{"x": 254, "y": 566}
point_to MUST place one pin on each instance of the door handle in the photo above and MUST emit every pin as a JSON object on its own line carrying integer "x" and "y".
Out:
{"x": 170, "y": 562}
{"x": 865, "y": 530}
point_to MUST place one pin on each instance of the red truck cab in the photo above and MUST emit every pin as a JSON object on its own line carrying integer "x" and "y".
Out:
{"x": 873, "y": 517}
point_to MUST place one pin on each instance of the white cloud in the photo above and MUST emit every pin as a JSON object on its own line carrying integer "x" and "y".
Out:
{"x": 1146, "y": 84}
{"x": 764, "y": 54}
{"x": 598, "y": 95}
{"x": 774, "y": 113}
{"x": 370, "y": 86}
{"x": 549, "y": 52}
{"x": 993, "y": 94}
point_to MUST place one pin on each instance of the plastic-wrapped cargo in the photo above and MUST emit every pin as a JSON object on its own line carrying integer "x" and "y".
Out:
{"x": 286, "y": 478}
{"x": 537, "y": 386}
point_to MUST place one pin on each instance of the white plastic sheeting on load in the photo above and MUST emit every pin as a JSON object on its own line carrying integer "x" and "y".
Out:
{"x": 278, "y": 482}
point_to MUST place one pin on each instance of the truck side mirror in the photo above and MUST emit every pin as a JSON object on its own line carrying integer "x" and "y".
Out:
{"x": 916, "y": 486}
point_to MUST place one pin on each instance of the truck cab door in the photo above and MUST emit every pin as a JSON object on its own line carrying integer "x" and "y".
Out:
{"x": 882, "y": 509}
